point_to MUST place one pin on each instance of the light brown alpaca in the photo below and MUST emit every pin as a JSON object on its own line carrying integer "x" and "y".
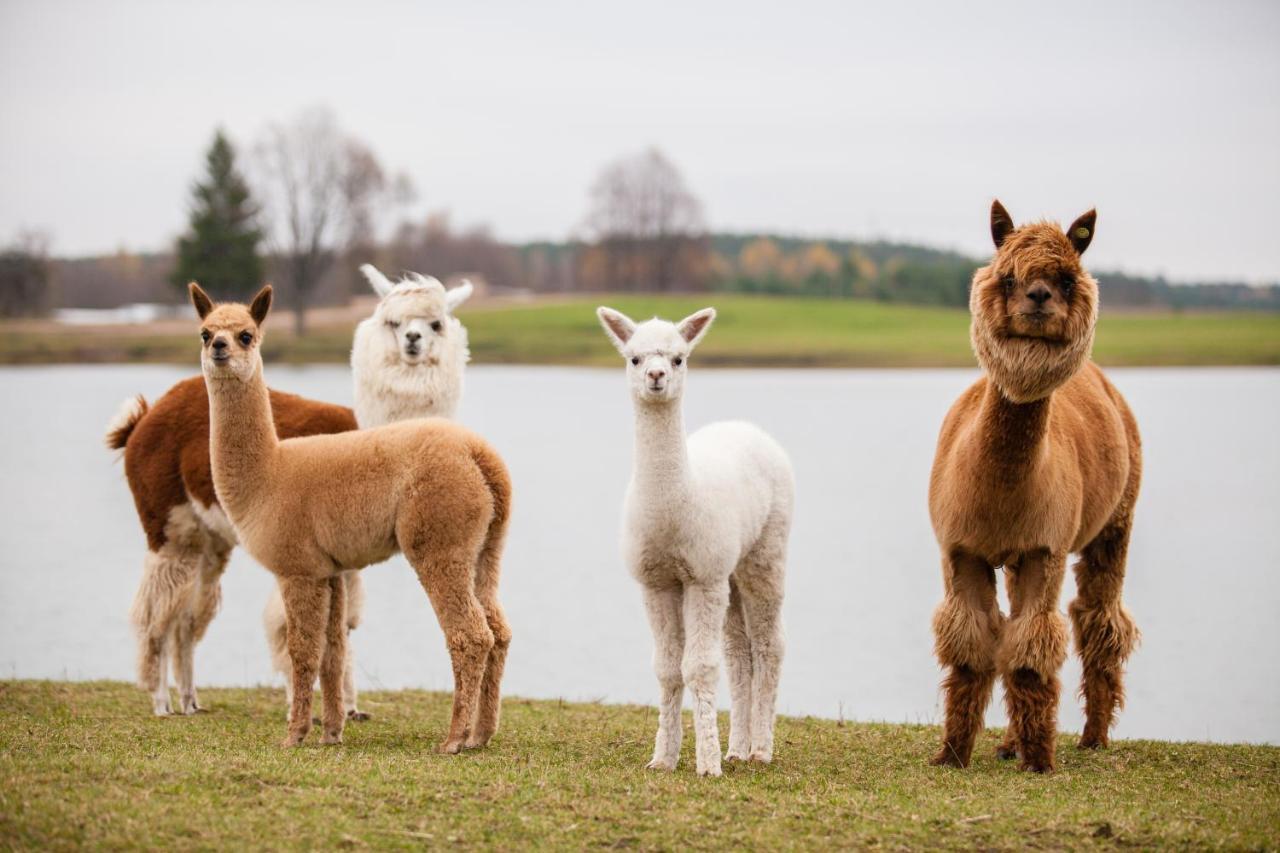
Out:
{"x": 310, "y": 508}
{"x": 1037, "y": 459}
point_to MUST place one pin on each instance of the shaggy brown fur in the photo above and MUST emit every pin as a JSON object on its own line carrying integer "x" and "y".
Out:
{"x": 1038, "y": 459}
{"x": 309, "y": 508}
{"x": 166, "y": 461}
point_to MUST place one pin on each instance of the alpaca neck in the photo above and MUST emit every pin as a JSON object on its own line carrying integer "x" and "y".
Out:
{"x": 242, "y": 442}
{"x": 661, "y": 466}
{"x": 1013, "y": 434}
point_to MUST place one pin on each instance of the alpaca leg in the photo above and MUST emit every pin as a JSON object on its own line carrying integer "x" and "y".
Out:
{"x": 704, "y": 612}
{"x": 306, "y": 607}
{"x": 737, "y": 657}
{"x": 490, "y": 706}
{"x": 162, "y": 596}
{"x": 763, "y": 606}
{"x": 966, "y": 628}
{"x": 206, "y": 596}
{"x": 1031, "y": 652}
{"x": 450, "y": 587}
{"x": 275, "y": 625}
{"x": 334, "y": 662}
{"x": 1105, "y": 633}
{"x": 354, "y": 585}
{"x": 666, "y": 620}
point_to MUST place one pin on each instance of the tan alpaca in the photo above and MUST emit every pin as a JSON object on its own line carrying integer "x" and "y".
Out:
{"x": 1037, "y": 459}
{"x": 311, "y": 508}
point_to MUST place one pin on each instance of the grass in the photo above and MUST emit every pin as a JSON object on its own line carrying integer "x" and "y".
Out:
{"x": 750, "y": 331}
{"x": 84, "y": 764}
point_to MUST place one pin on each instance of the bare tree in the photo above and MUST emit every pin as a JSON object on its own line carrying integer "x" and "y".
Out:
{"x": 647, "y": 227}
{"x": 321, "y": 189}
{"x": 25, "y": 276}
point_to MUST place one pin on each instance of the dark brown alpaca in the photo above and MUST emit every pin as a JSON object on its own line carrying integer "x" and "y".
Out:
{"x": 189, "y": 539}
{"x": 1037, "y": 459}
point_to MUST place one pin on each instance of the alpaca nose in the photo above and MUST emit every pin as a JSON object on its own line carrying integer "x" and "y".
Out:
{"x": 656, "y": 374}
{"x": 1039, "y": 294}
{"x": 219, "y": 345}
{"x": 413, "y": 337}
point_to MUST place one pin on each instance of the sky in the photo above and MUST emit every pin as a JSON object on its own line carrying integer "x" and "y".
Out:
{"x": 878, "y": 120}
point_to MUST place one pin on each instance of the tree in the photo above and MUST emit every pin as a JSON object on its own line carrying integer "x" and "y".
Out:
{"x": 220, "y": 250}
{"x": 24, "y": 276}
{"x": 647, "y": 227}
{"x": 322, "y": 190}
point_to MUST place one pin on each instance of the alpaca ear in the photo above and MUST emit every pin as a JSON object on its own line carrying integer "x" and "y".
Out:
{"x": 458, "y": 295}
{"x": 261, "y": 304}
{"x": 618, "y": 326}
{"x": 381, "y": 285}
{"x": 200, "y": 300}
{"x": 1081, "y": 231}
{"x": 1001, "y": 223}
{"x": 693, "y": 327}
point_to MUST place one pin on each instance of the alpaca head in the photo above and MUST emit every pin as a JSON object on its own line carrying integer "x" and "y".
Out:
{"x": 413, "y": 319}
{"x": 657, "y": 351}
{"x": 1034, "y": 306}
{"x": 230, "y": 334}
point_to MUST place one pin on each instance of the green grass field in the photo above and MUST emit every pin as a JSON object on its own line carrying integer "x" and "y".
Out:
{"x": 750, "y": 331}
{"x": 85, "y": 765}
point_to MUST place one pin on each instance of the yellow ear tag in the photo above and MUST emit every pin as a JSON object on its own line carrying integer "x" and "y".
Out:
{"x": 1082, "y": 232}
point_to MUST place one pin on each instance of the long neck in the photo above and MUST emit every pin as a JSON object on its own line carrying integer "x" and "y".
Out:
{"x": 662, "y": 458}
{"x": 1013, "y": 434}
{"x": 242, "y": 442}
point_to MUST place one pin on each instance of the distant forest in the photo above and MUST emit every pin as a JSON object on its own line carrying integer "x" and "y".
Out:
{"x": 744, "y": 263}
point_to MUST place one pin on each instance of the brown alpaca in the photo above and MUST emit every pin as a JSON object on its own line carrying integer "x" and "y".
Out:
{"x": 310, "y": 508}
{"x": 1037, "y": 459}
{"x": 189, "y": 539}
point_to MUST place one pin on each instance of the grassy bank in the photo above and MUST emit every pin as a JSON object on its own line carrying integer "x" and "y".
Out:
{"x": 754, "y": 331}
{"x": 83, "y": 764}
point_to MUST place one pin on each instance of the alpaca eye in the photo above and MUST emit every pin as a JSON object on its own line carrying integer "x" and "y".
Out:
{"x": 677, "y": 361}
{"x": 395, "y": 324}
{"x": 1067, "y": 282}
{"x": 1008, "y": 282}
{"x": 204, "y": 336}
{"x": 436, "y": 326}
{"x": 246, "y": 338}
{"x": 635, "y": 359}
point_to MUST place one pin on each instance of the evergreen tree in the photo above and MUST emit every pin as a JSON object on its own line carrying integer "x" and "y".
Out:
{"x": 220, "y": 249}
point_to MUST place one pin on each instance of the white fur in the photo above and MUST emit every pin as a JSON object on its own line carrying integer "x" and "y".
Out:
{"x": 392, "y": 383}
{"x": 705, "y": 527}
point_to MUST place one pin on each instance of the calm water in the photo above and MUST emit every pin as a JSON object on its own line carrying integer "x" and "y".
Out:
{"x": 1204, "y": 571}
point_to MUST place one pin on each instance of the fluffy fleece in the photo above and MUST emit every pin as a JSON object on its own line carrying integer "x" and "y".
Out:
{"x": 1037, "y": 459}
{"x": 705, "y": 528}
{"x": 189, "y": 538}
{"x": 310, "y": 509}
{"x": 409, "y": 356}
{"x": 407, "y": 361}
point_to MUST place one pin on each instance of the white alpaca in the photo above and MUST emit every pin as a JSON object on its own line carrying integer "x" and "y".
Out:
{"x": 407, "y": 362}
{"x": 705, "y": 528}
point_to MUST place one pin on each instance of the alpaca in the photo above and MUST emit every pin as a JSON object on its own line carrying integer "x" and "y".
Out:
{"x": 1037, "y": 459}
{"x": 705, "y": 533}
{"x": 189, "y": 538}
{"x": 407, "y": 362}
{"x": 312, "y": 508}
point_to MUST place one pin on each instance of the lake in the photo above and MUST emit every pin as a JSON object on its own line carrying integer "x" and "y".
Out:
{"x": 863, "y": 577}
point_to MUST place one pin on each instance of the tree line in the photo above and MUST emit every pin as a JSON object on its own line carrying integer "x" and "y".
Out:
{"x": 312, "y": 200}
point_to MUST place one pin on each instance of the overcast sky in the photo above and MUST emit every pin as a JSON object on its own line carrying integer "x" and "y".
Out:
{"x": 894, "y": 120}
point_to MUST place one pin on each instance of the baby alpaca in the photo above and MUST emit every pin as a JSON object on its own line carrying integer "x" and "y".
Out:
{"x": 1038, "y": 459}
{"x": 310, "y": 509}
{"x": 407, "y": 362}
{"x": 705, "y": 533}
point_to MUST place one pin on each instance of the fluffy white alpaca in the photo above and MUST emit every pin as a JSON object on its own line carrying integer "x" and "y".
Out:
{"x": 705, "y": 528}
{"x": 407, "y": 361}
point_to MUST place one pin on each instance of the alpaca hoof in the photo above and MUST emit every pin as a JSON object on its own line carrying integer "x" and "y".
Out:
{"x": 292, "y": 740}
{"x": 947, "y": 757}
{"x": 331, "y": 738}
{"x": 477, "y": 741}
{"x": 761, "y": 757}
{"x": 359, "y": 716}
{"x": 709, "y": 771}
{"x": 450, "y": 747}
{"x": 190, "y": 707}
{"x": 1036, "y": 766}
{"x": 161, "y": 709}
{"x": 1006, "y": 752}
{"x": 661, "y": 764}
{"x": 1087, "y": 742}
{"x": 733, "y": 757}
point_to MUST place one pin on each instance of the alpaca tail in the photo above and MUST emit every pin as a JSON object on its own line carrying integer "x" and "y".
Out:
{"x": 122, "y": 424}
{"x": 495, "y": 474}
